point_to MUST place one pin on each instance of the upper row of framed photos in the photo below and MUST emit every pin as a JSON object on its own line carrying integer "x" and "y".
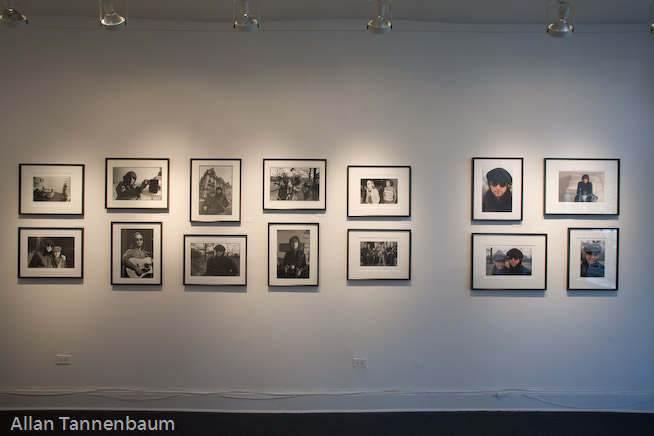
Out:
{"x": 135, "y": 183}
{"x": 572, "y": 187}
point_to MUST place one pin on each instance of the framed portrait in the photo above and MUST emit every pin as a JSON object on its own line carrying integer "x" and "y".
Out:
{"x": 134, "y": 183}
{"x": 215, "y": 190}
{"x": 293, "y": 254}
{"x": 50, "y": 252}
{"x": 294, "y": 184}
{"x": 497, "y": 188}
{"x": 136, "y": 253}
{"x": 378, "y": 254}
{"x": 505, "y": 261}
{"x": 215, "y": 260}
{"x": 582, "y": 186}
{"x": 593, "y": 258}
{"x": 378, "y": 191}
{"x": 51, "y": 189}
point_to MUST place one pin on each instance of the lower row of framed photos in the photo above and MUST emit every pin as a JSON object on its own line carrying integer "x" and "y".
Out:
{"x": 499, "y": 261}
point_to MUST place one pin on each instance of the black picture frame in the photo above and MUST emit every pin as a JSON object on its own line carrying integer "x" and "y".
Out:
{"x": 369, "y": 193}
{"x": 566, "y": 193}
{"x": 201, "y": 270}
{"x": 146, "y": 261}
{"x": 207, "y": 175}
{"x": 295, "y": 184}
{"x": 379, "y": 254}
{"x": 64, "y": 259}
{"x": 593, "y": 255}
{"x": 490, "y": 261}
{"x": 486, "y": 202}
{"x": 150, "y": 189}
{"x": 51, "y": 189}
{"x": 289, "y": 266}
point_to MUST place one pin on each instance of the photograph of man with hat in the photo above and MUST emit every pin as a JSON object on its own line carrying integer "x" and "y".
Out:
{"x": 590, "y": 259}
{"x": 499, "y": 261}
{"x": 498, "y": 198}
{"x": 516, "y": 257}
{"x": 42, "y": 257}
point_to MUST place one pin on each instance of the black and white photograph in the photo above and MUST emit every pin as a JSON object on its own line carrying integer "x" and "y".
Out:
{"x": 293, "y": 254}
{"x": 136, "y": 253}
{"x": 50, "y": 252}
{"x": 51, "y": 189}
{"x": 497, "y": 185}
{"x": 294, "y": 184}
{"x": 379, "y": 254}
{"x": 593, "y": 258}
{"x": 509, "y": 261}
{"x": 215, "y": 260}
{"x": 136, "y": 183}
{"x": 215, "y": 190}
{"x": 582, "y": 186}
{"x": 379, "y": 191}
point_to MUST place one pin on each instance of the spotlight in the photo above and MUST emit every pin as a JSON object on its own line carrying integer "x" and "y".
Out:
{"x": 565, "y": 19}
{"x": 244, "y": 20}
{"x": 113, "y": 14}
{"x": 382, "y": 18}
{"x": 11, "y": 17}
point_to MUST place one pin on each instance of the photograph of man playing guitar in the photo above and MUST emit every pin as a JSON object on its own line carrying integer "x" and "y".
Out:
{"x": 136, "y": 261}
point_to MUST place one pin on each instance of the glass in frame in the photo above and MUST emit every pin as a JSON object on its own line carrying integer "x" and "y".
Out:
{"x": 215, "y": 190}
{"x": 593, "y": 259}
{"x": 383, "y": 191}
{"x": 582, "y": 186}
{"x": 378, "y": 254}
{"x": 50, "y": 252}
{"x": 133, "y": 183}
{"x": 51, "y": 189}
{"x": 505, "y": 261}
{"x": 497, "y": 185}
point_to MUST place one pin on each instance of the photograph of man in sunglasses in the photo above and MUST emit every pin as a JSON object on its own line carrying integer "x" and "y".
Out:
{"x": 498, "y": 196}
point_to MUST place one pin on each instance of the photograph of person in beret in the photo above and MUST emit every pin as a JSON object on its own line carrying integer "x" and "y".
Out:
{"x": 498, "y": 196}
{"x": 592, "y": 259}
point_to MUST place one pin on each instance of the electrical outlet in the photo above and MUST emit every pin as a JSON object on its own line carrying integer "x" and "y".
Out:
{"x": 64, "y": 359}
{"x": 359, "y": 362}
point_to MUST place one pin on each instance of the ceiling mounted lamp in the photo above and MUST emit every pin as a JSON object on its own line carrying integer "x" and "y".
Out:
{"x": 244, "y": 19}
{"x": 651, "y": 19}
{"x": 564, "y": 24}
{"x": 113, "y": 14}
{"x": 11, "y": 17}
{"x": 382, "y": 16}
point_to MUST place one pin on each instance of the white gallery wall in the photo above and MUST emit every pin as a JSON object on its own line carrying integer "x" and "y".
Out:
{"x": 431, "y": 97}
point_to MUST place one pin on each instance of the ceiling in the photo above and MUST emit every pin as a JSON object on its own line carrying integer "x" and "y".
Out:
{"x": 444, "y": 11}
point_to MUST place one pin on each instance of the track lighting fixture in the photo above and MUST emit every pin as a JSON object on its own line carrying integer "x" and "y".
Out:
{"x": 11, "y": 17}
{"x": 381, "y": 16}
{"x": 113, "y": 14}
{"x": 564, "y": 24}
{"x": 245, "y": 20}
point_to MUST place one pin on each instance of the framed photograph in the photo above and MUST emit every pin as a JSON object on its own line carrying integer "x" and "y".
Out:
{"x": 50, "y": 252}
{"x": 378, "y": 191}
{"x": 215, "y": 190}
{"x": 215, "y": 260}
{"x": 378, "y": 254}
{"x": 497, "y": 188}
{"x": 51, "y": 189}
{"x": 136, "y": 183}
{"x": 505, "y": 261}
{"x": 136, "y": 253}
{"x": 582, "y": 186}
{"x": 593, "y": 259}
{"x": 293, "y": 254}
{"x": 294, "y": 184}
